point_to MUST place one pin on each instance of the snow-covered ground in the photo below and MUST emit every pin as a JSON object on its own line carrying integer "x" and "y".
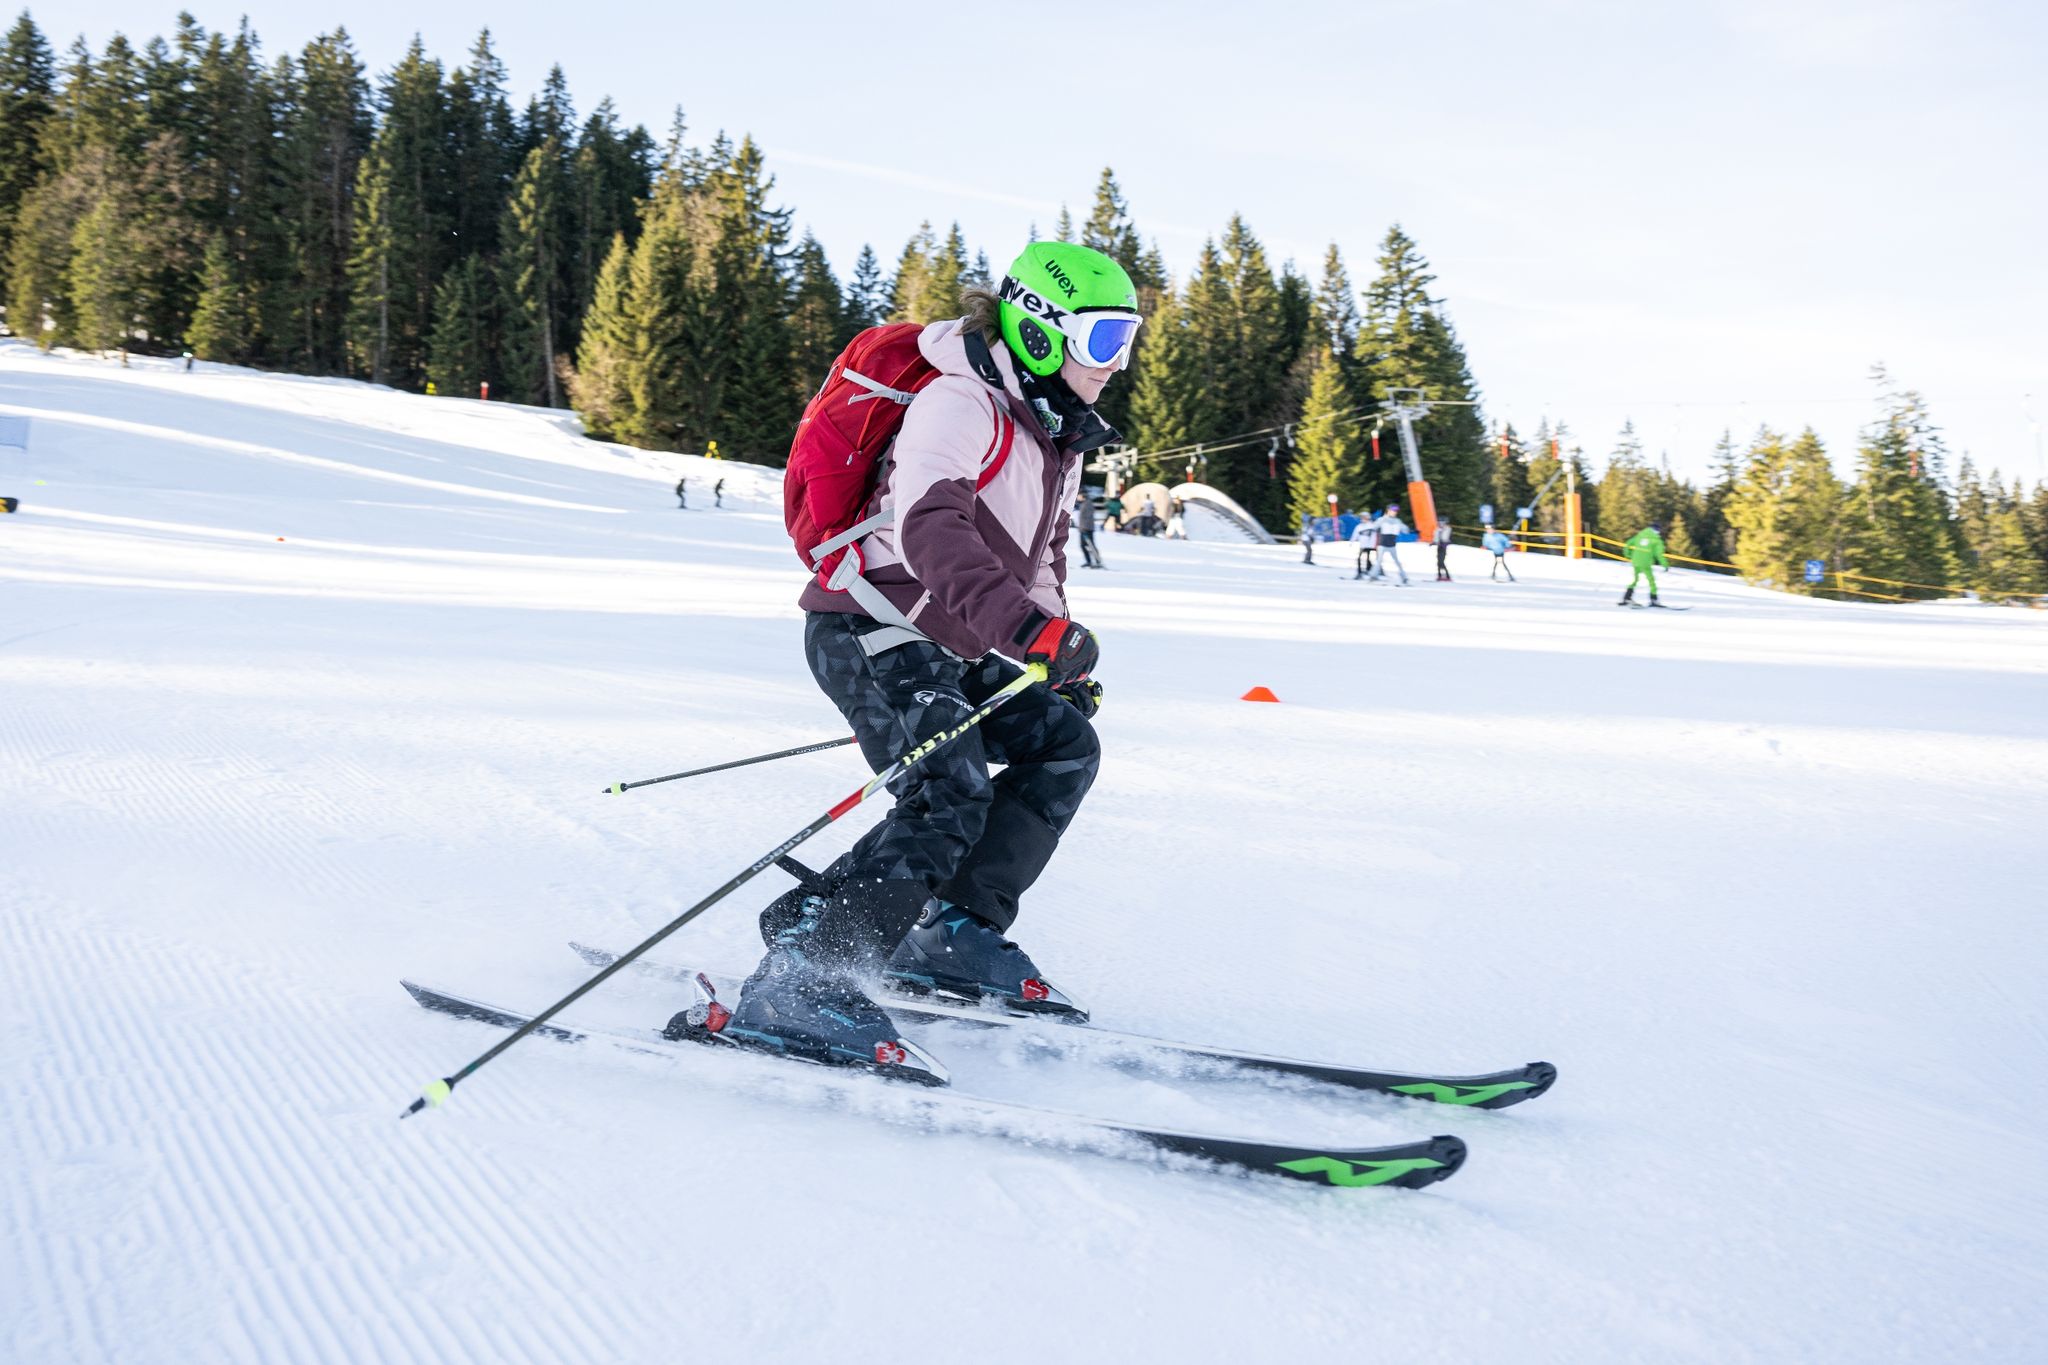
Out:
{"x": 305, "y": 686}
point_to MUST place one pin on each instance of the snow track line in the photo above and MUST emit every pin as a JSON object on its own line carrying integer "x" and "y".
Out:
{"x": 151, "y": 432}
{"x": 188, "y": 1101}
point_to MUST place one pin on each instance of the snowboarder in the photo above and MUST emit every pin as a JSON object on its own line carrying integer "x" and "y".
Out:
{"x": 718, "y": 494}
{"x": 1645, "y": 555}
{"x": 1442, "y": 540}
{"x": 1084, "y": 522}
{"x": 976, "y": 556}
{"x": 682, "y": 498}
{"x": 1497, "y": 541}
{"x": 1391, "y": 529}
{"x": 1366, "y": 536}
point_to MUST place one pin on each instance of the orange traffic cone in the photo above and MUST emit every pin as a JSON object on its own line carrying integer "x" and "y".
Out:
{"x": 1259, "y": 694}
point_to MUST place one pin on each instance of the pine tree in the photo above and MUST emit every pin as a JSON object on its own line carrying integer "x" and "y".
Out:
{"x": 610, "y": 174}
{"x": 1509, "y": 486}
{"x": 1063, "y": 228}
{"x": 482, "y": 151}
{"x": 1234, "y": 362}
{"x": 910, "y": 292}
{"x": 817, "y": 327}
{"x": 1109, "y": 229}
{"x": 1329, "y": 449}
{"x": 599, "y": 387}
{"x": 2001, "y": 564}
{"x": 1337, "y": 320}
{"x": 1408, "y": 343}
{"x": 221, "y": 322}
{"x": 868, "y": 296}
{"x": 2034, "y": 518}
{"x": 748, "y": 398}
{"x": 403, "y": 244}
{"x": 373, "y": 282}
{"x": 1169, "y": 405}
{"x": 1629, "y": 498}
{"x": 1716, "y": 537}
{"x": 459, "y": 347}
{"x": 1786, "y": 507}
{"x": 1897, "y": 519}
{"x": 27, "y": 84}
{"x": 326, "y": 131}
{"x": 530, "y": 278}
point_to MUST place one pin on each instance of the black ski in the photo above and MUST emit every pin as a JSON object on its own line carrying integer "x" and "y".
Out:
{"x": 1407, "y": 1165}
{"x": 1494, "y": 1090}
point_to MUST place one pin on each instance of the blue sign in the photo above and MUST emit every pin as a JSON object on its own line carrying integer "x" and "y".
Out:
{"x": 1816, "y": 570}
{"x": 1524, "y": 513}
{"x": 1486, "y": 514}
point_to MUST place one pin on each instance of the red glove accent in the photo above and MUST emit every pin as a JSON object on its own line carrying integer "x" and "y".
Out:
{"x": 1066, "y": 648}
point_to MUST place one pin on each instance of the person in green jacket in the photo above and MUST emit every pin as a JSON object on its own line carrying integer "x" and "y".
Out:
{"x": 1645, "y": 554}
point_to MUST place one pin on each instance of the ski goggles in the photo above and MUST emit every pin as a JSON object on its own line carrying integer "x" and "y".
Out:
{"x": 1101, "y": 339}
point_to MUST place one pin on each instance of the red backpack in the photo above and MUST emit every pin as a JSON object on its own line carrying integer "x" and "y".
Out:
{"x": 836, "y": 459}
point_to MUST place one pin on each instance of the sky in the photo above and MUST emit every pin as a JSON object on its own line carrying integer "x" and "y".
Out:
{"x": 1696, "y": 217}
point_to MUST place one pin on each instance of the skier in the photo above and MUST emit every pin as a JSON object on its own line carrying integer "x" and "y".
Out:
{"x": 718, "y": 494}
{"x": 1391, "y": 529}
{"x": 1497, "y": 541}
{"x": 1645, "y": 554}
{"x": 1113, "y": 513}
{"x": 1177, "y": 524}
{"x": 1442, "y": 538}
{"x": 975, "y": 558}
{"x": 1084, "y": 522}
{"x": 682, "y": 499}
{"x": 1308, "y": 541}
{"x": 1365, "y": 535}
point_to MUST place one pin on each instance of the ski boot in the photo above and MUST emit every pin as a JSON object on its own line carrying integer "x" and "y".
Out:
{"x": 797, "y": 1006}
{"x": 953, "y": 952}
{"x": 1628, "y": 597}
{"x": 1654, "y": 602}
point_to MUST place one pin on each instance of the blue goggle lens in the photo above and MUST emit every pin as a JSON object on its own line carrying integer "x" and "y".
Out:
{"x": 1107, "y": 339}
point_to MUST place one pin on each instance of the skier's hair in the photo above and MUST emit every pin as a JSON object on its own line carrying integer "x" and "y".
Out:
{"x": 978, "y": 312}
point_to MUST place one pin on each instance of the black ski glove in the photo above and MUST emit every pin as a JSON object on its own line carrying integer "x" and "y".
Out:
{"x": 1066, "y": 648}
{"x": 1084, "y": 693}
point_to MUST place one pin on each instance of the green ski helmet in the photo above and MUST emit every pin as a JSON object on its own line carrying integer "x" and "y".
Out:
{"x": 1060, "y": 294}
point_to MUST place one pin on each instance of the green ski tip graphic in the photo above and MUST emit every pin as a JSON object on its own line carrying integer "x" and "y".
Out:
{"x": 1354, "y": 1174}
{"x": 1460, "y": 1094}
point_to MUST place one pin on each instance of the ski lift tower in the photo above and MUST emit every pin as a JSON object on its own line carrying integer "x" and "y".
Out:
{"x": 1404, "y": 406}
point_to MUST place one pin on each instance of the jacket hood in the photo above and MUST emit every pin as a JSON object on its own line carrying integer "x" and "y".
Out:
{"x": 944, "y": 345}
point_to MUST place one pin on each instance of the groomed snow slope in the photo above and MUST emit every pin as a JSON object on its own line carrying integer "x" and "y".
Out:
{"x": 1764, "y": 879}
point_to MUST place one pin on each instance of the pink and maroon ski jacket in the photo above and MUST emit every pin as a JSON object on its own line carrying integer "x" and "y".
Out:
{"x": 981, "y": 499}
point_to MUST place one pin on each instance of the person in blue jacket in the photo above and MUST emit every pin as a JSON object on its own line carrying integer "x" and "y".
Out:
{"x": 1497, "y": 541}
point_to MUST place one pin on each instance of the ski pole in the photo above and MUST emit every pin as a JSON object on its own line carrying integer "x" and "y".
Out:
{"x": 618, "y": 787}
{"x": 437, "y": 1092}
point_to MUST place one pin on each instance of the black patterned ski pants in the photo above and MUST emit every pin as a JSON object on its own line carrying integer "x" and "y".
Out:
{"x": 976, "y": 840}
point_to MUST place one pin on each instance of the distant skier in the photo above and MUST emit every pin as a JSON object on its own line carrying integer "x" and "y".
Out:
{"x": 1442, "y": 539}
{"x": 1113, "y": 513}
{"x": 1084, "y": 522}
{"x": 971, "y": 567}
{"x": 1391, "y": 528}
{"x": 1366, "y": 536}
{"x": 718, "y": 494}
{"x": 1308, "y": 541}
{"x": 1497, "y": 541}
{"x": 1645, "y": 554}
{"x": 682, "y": 497}
{"x": 1177, "y": 523}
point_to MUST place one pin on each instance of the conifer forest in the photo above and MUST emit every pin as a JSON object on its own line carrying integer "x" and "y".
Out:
{"x": 415, "y": 226}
